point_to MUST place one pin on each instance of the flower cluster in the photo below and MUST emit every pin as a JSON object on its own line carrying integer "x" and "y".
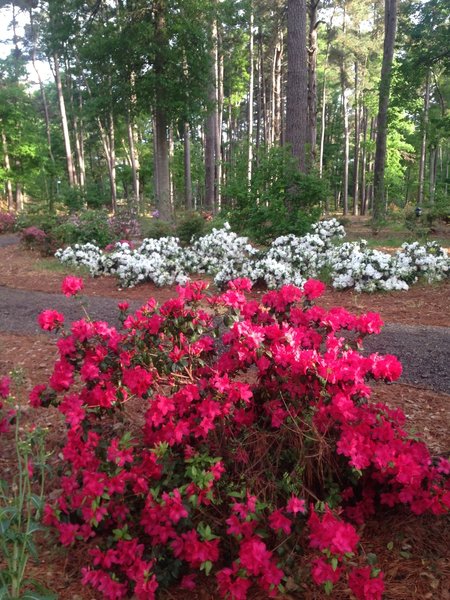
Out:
{"x": 289, "y": 260}
{"x": 7, "y": 221}
{"x": 87, "y": 255}
{"x": 244, "y": 439}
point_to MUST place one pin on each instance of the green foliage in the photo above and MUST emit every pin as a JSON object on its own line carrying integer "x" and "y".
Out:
{"x": 21, "y": 507}
{"x": 191, "y": 225}
{"x": 279, "y": 200}
{"x": 154, "y": 228}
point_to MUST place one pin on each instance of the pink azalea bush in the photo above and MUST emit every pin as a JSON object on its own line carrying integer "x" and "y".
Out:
{"x": 244, "y": 418}
{"x": 7, "y": 221}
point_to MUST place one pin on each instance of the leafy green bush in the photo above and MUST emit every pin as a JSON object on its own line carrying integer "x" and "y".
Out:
{"x": 191, "y": 225}
{"x": 279, "y": 200}
{"x": 154, "y": 228}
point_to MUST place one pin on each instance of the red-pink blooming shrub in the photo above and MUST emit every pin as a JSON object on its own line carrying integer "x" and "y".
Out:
{"x": 252, "y": 411}
{"x": 7, "y": 221}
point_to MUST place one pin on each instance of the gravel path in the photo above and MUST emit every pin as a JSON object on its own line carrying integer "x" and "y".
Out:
{"x": 7, "y": 239}
{"x": 423, "y": 351}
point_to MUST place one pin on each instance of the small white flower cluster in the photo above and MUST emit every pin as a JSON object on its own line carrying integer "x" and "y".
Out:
{"x": 429, "y": 261}
{"x": 159, "y": 261}
{"x": 328, "y": 230}
{"x": 221, "y": 253}
{"x": 354, "y": 265}
{"x": 290, "y": 259}
{"x": 87, "y": 255}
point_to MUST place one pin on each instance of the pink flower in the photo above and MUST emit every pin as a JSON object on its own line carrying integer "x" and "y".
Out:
{"x": 278, "y": 522}
{"x": 123, "y": 306}
{"x": 364, "y": 586}
{"x": 50, "y": 320}
{"x": 313, "y": 288}
{"x": 322, "y": 572}
{"x": 5, "y": 382}
{"x": 72, "y": 285}
{"x": 295, "y": 505}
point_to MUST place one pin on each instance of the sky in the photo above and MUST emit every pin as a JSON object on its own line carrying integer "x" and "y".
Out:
{"x": 6, "y": 43}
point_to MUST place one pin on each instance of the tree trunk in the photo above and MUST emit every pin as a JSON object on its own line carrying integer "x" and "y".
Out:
{"x": 219, "y": 119}
{"x": 65, "y": 128}
{"x": 134, "y": 161}
{"x": 211, "y": 127}
{"x": 346, "y": 141}
{"x": 390, "y": 27}
{"x": 423, "y": 150}
{"x": 276, "y": 90}
{"x": 433, "y": 172}
{"x": 297, "y": 82}
{"x": 160, "y": 116}
{"x": 312, "y": 78}
{"x": 250, "y": 98}
{"x": 357, "y": 145}
{"x": 363, "y": 161}
{"x": 187, "y": 168}
{"x": 162, "y": 165}
{"x": 7, "y": 163}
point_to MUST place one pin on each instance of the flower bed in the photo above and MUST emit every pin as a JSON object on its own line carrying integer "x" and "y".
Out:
{"x": 289, "y": 260}
{"x": 253, "y": 446}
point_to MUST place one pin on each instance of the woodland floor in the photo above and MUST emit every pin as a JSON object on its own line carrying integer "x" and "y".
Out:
{"x": 417, "y": 330}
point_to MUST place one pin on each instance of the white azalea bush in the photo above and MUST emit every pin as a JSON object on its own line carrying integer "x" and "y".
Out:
{"x": 87, "y": 255}
{"x": 222, "y": 254}
{"x": 225, "y": 256}
{"x": 353, "y": 264}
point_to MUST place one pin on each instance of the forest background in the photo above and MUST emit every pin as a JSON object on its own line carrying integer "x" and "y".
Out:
{"x": 268, "y": 113}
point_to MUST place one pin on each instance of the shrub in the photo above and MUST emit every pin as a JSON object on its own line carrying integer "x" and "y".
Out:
{"x": 7, "y": 221}
{"x": 124, "y": 224}
{"x": 34, "y": 238}
{"x": 190, "y": 227}
{"x": 156, "y": 229}
{"x": 279, "y": 200}
{"x": 228, "y": 455}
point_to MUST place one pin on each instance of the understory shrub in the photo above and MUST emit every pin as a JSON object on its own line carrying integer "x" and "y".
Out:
{"x": 226, "y": 436}
{"x": 191, "y": 225}
{"x": 279, "y": 199}
{"x": 7, "y": 221}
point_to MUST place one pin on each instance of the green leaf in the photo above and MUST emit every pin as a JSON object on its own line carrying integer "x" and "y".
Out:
{"x": 328, "y": 587}
{"x": 390, "y": 545}
{"x": 206, "y": 566}
{"x": 371, "y": 558}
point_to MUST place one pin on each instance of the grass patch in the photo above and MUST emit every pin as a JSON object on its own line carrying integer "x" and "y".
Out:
{"x": 53, "y": 265}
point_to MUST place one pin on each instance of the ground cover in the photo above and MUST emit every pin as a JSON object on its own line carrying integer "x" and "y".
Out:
{"x": 412, "y": 552}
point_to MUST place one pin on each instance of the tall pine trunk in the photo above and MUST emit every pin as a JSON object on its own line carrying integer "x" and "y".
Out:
{"x": 250, "y": 97}
{"x": 390, "y": 28}
{"x": 65, "y": 127}
{"x": 312, "y": 78}
{"x": 357, "y": 145}
{"x": 211, "y": 128}
{"x": 297, "y": 82}
{"x": 423, "y": 149}
{"x": 187, "y": 167}
{"x": 346, "y": 141}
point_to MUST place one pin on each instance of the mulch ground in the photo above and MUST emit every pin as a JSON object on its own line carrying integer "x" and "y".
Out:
{"x": 416, "y": 564}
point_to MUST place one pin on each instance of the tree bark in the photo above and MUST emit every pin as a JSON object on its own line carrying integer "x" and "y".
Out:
{"x": 363, "y": 160}
{"x": 297, "y": 82}
{"x": 390, "y": 28}
{"x": 134, "y": 161}
{"x": 62, "y": 110}
{"x": 7, "y": 163}
{"x": 250, "y": 97}
{"x": 357, "y": 145}
{"x": 211, "y": 127}
{"x": 423, "y": 150}
{"x": 312, "y": 78}
{"x": 346, "y": 141}
{"x": 160, "y": 117}
{"x": 187, "y": 167}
